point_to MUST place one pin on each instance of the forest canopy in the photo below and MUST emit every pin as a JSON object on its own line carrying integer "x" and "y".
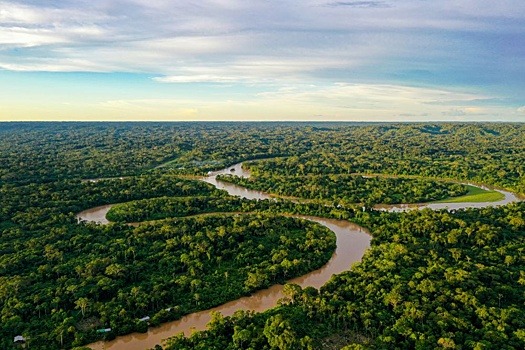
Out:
{"x": 430, "y": 279}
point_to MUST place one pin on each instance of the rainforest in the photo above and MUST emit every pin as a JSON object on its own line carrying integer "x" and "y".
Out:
{"x": 194, "y": 216}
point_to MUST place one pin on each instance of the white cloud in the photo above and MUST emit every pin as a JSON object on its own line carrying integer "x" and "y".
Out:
{"x": 339, "y": 101}
{"x": 198, "y": 78}
{"x": 521, "y": 109}
{"x": 154, "y": 36}
{"x": 373, "y": 94}
{"x": 24, "y": 37}
{"x": 254, "y": 70}
{"x": 296, "y": 50}
{"x": 61, "y": 65}
{"x": 14, "y": 13}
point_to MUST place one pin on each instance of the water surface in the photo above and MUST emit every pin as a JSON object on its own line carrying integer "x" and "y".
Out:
{"x": 352, "y": 242}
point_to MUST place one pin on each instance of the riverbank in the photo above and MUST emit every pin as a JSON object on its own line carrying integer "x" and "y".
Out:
{"x": 352, "y": 242}
{"x": 476, "y": 195}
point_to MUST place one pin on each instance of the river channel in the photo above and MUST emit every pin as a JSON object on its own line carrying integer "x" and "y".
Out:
{"x": 352, "y": 242}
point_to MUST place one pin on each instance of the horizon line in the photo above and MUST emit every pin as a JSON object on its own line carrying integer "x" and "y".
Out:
{"x": 265, "y": 121}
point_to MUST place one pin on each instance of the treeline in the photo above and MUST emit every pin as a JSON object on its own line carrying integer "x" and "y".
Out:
{"x": 34, "y": 204}
{"x": 165, "y": 207}
{"x": 346, "y": 189}
{"x": 484, "y": 153}
{"x": 170, "y": 207}
{"x": 42, "y": 152}
{"x": 430, "y": 280}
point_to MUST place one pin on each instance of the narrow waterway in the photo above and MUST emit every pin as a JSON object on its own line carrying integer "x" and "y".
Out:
{"x": 352, "y": 242}
{"x": 96, "y": 215}
{"x": 509, "y": 197}
{"x": 232, "y": 189}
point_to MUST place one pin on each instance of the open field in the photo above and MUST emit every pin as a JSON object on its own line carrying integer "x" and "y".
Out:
{"x": 475, "y": 195}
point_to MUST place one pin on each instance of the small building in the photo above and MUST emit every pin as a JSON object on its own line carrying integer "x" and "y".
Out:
{"x": 19, "y": 339}
{"x": 144, "y": 319}
{"x": 104, "y": 330}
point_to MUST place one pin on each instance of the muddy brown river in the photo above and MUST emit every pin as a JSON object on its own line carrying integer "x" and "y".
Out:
{"x": 352, "y": 242}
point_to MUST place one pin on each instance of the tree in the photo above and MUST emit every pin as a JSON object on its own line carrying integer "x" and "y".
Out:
{"x": 241, "y": 336}
{"x": 82, "y": 303}
{"x": 279, "y": 334}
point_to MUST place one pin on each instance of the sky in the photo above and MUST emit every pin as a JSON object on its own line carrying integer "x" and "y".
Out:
{"x": 308, "y": 60}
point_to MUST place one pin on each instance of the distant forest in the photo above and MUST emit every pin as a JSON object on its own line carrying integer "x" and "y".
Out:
{"x": 43, "y": 152}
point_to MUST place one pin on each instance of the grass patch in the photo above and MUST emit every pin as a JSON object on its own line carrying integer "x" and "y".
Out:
{"x": 475, "y": 194}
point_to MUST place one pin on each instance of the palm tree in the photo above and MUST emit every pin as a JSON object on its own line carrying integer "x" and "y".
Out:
{"x": 82, "y": 304}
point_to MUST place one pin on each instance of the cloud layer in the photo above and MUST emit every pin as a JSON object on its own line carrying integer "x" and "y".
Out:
{"x": 476, "y": 47}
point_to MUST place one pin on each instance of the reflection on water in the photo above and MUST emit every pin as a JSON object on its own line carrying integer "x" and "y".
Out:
{"x": 97, "y": 214}
{"x": 352, "y": 241}
{"x": 232, "y": 189}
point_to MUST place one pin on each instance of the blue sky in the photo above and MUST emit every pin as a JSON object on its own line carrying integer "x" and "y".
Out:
{"x": 404, "y": 60}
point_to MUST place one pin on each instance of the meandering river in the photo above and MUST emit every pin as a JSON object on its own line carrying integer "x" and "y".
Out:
{"x": 352, "y": 242}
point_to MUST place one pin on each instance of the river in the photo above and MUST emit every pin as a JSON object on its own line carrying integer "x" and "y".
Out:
{"x": 508, "y": 198}
{"x": 352, "y": 242}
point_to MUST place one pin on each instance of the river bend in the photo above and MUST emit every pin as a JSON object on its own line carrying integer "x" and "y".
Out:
{"x": 352, "y": 242}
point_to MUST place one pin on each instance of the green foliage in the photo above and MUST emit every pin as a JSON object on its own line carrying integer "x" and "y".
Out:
{"x": 42, "y": 152}
{"x": 347, "y": 189}
{"x": 484, "y": 153}
{"x": 164, "y": 207}
{"x": 284, "y": 327}
{"x": 435, "y": 278}
{"x": 430, "y": 280}
{"x": 113, "y": 275}
{"x": 477, "y": 195}
{"x": 36, "y": 204}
